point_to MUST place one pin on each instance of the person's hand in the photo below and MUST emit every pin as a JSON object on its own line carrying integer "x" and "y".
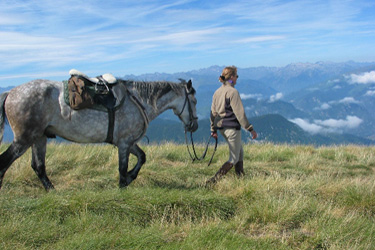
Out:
{"x": 214, "y": 135}
{"x": 254, "y": 134}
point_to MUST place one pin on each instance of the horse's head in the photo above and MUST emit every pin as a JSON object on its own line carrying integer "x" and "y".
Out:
{"x": 186, "y": 107}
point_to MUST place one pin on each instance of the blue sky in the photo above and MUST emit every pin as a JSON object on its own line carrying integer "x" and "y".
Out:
{"x": 45, "y": 39}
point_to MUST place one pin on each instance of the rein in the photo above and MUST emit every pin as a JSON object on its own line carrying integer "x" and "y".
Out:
{"x": 141, "y": 109}
{"x": 193, "y": 155}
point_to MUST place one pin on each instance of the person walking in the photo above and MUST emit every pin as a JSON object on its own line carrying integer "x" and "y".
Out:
{"x": 228, "y": 116}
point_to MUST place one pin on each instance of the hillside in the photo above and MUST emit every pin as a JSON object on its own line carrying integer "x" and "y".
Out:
{"x": 292, "y": 197}
{"x": 270, "y": 128}
{"x": 332, "y": 103}
{"x": 323, "y": 94}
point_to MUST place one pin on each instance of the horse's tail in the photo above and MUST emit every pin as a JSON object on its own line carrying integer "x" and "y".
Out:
{"x": 3, "y": 96}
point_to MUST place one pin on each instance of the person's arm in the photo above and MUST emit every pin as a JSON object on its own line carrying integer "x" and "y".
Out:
{"x": 213, "y": 114}
{"x": 239, "y": 111}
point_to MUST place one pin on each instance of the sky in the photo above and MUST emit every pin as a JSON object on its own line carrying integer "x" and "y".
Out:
{"x": 45, "y": 39}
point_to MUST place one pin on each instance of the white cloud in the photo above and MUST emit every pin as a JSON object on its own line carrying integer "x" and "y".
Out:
{"x": 345, "y": 100}
{"x": 276, "y": 97}
{"x": 370, "y": 93}
{"x": 329, "y": 125}
{"x": 364, "y": 78}
{"x": 36, "y": 75}
{"x": 157, "y": 36}
{"x": 250, "y": 108}
{"x": 349, "y": 122}
{"x": 250, "y": 96}
{"x": 306, "y": 126}
{"x": 324, "y": 106}
{"x": 348, "y": 100}
{"x": 256, "y": 39}
{"x": 183, "y": 38}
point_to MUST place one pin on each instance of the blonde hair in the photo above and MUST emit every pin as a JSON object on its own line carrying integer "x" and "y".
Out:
{"x": 227, "y": 73}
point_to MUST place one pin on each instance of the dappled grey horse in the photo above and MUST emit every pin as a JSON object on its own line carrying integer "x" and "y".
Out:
{"x": 36, "y": 110}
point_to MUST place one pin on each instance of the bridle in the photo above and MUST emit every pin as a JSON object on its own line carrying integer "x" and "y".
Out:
{"x": 192, "y": 118}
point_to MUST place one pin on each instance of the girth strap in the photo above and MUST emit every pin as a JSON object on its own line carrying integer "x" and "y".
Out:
{"x": 111, "y": 125}
{"x": 111, "y": 118}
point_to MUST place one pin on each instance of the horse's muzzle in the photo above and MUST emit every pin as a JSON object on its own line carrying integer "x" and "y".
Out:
{"x": 193, "y": 126}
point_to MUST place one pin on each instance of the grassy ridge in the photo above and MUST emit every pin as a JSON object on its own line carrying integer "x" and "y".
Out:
{"x": 292, "y": 197}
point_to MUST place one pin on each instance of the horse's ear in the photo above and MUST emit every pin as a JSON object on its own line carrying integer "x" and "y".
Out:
{"x": 189, "y": 85}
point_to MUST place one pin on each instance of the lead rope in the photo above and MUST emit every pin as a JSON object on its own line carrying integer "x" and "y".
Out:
{"x": 194, "y": 156}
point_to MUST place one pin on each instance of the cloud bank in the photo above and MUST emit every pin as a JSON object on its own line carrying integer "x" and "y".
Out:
{"x": 345, "y": 100}
{"x": 329, "y": 125}
{"x": 348, "y": 100}
{"x": 370, "y": 93}
{"x": 274, "y": 98}
{"x": 250, "y": 96}
{"x": 364, "y": 78}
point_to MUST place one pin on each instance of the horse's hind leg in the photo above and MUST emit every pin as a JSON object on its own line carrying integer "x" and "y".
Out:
{"x": 14, "y": 151}
{"x": 38, "y": 161}
{"x": 141, "y": 156}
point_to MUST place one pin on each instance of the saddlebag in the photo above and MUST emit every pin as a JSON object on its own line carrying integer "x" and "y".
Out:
{"x": 79, "y": 93}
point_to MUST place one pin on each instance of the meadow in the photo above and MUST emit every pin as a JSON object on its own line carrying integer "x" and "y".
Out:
{"x": 292, "y": 197}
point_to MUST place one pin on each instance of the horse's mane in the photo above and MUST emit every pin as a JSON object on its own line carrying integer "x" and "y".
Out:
{"x": 151, "y": 91}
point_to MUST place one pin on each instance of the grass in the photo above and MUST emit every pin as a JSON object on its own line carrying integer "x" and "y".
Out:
{"x": 292, "y": 197}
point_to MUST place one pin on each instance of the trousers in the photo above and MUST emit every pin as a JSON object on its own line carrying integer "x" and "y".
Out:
{"x": 233, "y": 138}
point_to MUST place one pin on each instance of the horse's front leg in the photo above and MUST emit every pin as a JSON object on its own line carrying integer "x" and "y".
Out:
{"x": 141, "y": 159}
{"x": 123, "y": 155}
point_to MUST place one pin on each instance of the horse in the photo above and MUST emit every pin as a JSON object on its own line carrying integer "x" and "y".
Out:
{"x": 37, "y": 110}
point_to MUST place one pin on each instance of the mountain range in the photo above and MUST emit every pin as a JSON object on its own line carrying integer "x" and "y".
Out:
{"x": 320, "y": 103}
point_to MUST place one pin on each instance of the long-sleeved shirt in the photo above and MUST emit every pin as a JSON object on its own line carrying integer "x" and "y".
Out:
{"x": 227, "y": 110}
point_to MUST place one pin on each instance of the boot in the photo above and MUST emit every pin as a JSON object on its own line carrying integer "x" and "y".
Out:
{"x": 222, "y": 171}
{"x": 239, "y": 169}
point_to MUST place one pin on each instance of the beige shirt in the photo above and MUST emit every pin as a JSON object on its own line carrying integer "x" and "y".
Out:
{"x": 224, "y": 115}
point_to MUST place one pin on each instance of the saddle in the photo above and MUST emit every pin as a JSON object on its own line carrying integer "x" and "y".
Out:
{"x": 103, "y": 93}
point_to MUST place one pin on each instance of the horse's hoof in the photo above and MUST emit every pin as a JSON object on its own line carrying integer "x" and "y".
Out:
{"x": 50, "y": 188}
{"x": 123, "y": 185}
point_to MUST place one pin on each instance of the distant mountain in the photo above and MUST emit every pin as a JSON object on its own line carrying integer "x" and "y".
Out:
{"x": 270, "y": 128}
{"x": 311, "y": 103}
{"x": 339, "y": 98}
{"x": 287, "y": 79}
{"x": 5, "y": 89}
{"x": 259, "y": 107}
{"x": 296, "y": 76}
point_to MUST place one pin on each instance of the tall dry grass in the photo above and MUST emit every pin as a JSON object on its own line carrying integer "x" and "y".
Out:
{"x": 292, "y": 197}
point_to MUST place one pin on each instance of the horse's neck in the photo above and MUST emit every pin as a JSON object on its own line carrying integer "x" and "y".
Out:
{"x": 165, "y": 102}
